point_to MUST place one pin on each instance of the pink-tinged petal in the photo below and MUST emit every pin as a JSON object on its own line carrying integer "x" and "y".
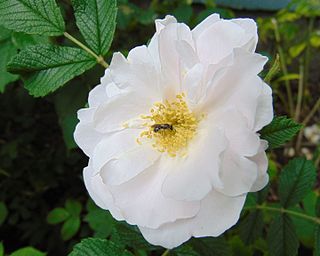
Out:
{"x": 129, "y": 164}
{"x": 100, "y": 193}
{"x": 217, "y": 214}
{"x": 193, "y": 176}
{"x": 142, "y": 202}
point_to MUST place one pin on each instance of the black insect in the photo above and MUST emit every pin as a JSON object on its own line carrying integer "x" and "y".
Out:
{"x": 159, "y": 127}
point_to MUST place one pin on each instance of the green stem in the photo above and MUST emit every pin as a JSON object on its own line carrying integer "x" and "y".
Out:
{"x": 282, "y": 210}
{"x": 99, "y": 58}
{"x": 300, "y": 92}
{"x": 166, "y": 252}
{"x": 283, "y": 65}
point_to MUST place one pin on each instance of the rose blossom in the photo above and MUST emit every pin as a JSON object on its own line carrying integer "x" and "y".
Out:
{"x": 172, "y": 130}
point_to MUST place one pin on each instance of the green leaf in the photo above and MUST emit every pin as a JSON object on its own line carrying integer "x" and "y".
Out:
{"x": 297, "y": 49}
{"x": 70, "y": 228}
{"x": 275, "y": 68}
{"x": 67, "y": 102}
{"x": 3, "y": 212}
{"x": 317, "y": 241}
{"x": 279, "y": 131}
{"x": 57, "y": 215}
{"x": 185, "y": 250}
{"x": 126, "y": 235}
{"x": 211, "y": 246}
{"x": 28, "y": 251}
{"x": 45, "y": 67}
{"x": 296, "y": 180}
{"x": 96, "y": 20}
{"x": 98, "y": 247}
{"x": 317, "y": 210}
{"x": 23, "y": 40}
{"x": 251, "y": 227}
{"x": 32, "y": 16}
{"x": 73, "y": 207}
{"x": 282, "y": 238}
{"x": 7, "y": 51}
{"x": 101, "y": 222}
{"x": 1, "y": 249}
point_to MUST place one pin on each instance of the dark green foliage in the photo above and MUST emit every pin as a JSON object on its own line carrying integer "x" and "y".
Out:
{"x": 57, "y": 215}
{"x": 317, "y": 240}
{"x": 96, "y": 20}
{"x": 98, "y": 247}
{"x": 282, "y": 238}
{"x": 251, "y": 227}
{"x": 211, "y": 246}
{"x": 296, "y": 180}
{"x": 45, "y": 68}
{"x": 42, "y": 17}
{"x": 279, "y": 131}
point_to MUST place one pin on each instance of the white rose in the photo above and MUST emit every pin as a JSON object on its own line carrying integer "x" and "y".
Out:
{"x": 171, "y": 131}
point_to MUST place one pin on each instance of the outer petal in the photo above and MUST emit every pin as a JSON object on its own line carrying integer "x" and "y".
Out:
{"x": 205, "y": 24}
{"x": 217, "y": 214}
{"x": 192, "y": 177}
{"x": 99, "y": 192}
{"x": 264, "y": 112}
{"x": 142, "y": 202}
{"x": 129, "y": 164}
{"x": 113, "y": 146}
{"x": 262, "y": 161}
{"x": 238, "y": 174}
{"x": 212, "y": 48}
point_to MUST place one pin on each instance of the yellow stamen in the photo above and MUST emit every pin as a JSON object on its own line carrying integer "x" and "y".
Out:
{"x": 179, "y": 126}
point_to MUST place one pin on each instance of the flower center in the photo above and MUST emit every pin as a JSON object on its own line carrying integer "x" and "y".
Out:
{"x": 171, "y": 125}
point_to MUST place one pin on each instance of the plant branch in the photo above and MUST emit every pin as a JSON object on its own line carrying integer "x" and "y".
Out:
{"x": 300, "y": 92}
{"x": 283, "y": 210}
{"x": 99, "y": 58}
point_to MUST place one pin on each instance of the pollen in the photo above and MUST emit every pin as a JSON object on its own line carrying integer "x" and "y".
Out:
{"x": 170, "y": 126}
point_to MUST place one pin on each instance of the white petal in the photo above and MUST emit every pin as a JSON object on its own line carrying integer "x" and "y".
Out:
{"x": 192, "y": 83}
{"x": 113, "y": 145}
{"x": 226, "y": 81}
{"x": 217, "y": 214}
{"x": 86, "y": 137}
{"x": 242, "y": 140}
{"x": 205, "y": 24}
{"x": 264, "y": 112}
{"x": 114, "y": 114}
{"x": 238, "y": 174}
{"x": 250, "y": 27}
{"x": 162, "y": 23}
{"x": 99, "y": 192}
{"x": 192, "y": 177}
{"x": 142, "y": 202}
{"x": 212, "y": 48}
{"x": 129, "y": 164}
{"x": 262, "y": 161}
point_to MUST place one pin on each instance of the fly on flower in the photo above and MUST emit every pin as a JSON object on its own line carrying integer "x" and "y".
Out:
{"x": 171, "y": 131}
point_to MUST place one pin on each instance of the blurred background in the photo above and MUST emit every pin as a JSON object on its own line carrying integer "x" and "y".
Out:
{"x": 43, "y": 201}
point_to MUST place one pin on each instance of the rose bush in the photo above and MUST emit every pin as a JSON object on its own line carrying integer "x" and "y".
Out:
{"x": 172, "y": 130}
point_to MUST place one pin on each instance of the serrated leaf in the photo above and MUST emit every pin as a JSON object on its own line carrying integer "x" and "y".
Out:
{"x": 317, "y": 241}
{"x": 73, "y": 207}
{"x": 41, "y": 17}
{"x": 96, "y": 20}
{"x": 296, "y": 180}
{"x": 98, "y": 247}
{"x": 126, "y": 235}
{"x": 46, "y": 67}
{"x": 251, "y": 227}
{"x": 279, "y": 131}
{"x": 70, "y": 228}
{"x": 23, "y": 40}
{"x": 57, "y": 215}
{"x": 211, "y": 246}
{"x": 282, "y": 238}
{"x": 100, "y": 221}
{"x": 7, "y": 51}
{"x": 28, "y": 251}
{"x": 67, "y": 102}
